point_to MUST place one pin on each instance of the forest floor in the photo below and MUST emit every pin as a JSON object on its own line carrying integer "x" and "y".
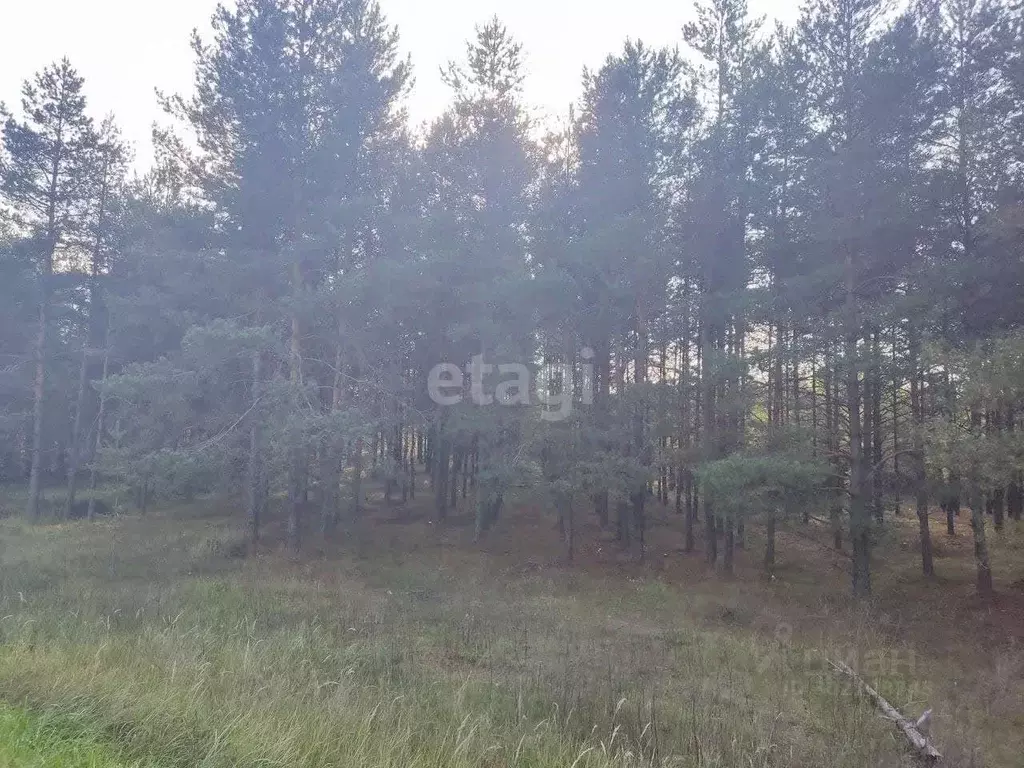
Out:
{"x": 153, "y": 641}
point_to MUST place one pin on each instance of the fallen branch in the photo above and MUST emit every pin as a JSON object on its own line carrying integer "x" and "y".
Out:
{"x": 922, "y": 746}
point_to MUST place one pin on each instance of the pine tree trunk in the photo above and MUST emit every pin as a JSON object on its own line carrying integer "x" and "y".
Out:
{"x": 769, "y": 547}
{"x": 679, "y": 490}
{"x": 814, "y": 406}
{"x": 831, "y": 446}
{"x": 1013, "y": 500}
{"x": 691, "y": 513}
{"x": 708, "y": 378}
{"x": 729, "y": 544}
{"x": 860, "y": 521}
{"x": 710, "y": 533}
{"x": 100, "y": 417}
{"x": 76, "y": 433}
{"x": 92, "y": 332}
{"x": 453, "y": 479}
{"x": 981, "y": 559}
{"x": 296, "y": 468}
{"x": 602, "y": 376}
{"x": 895, "y": 429}
{"x": 38, "y": 404}
{"x": 357, "y": 479}
{"x": 441, "y": 461}
{"x": 295, "y": 505}
{"x": 638, "y": 498}
{"x": 623, "y": 516}
{"x": 796, "y": 377}
{"x": 778, "y": 387}
{"x": 428, "y": 453}
{"x": 877, "y": 438}
{"x": 254, "y": 481}
{"x": 144, "y": 497}
{"x": 333, "y": 451}
{"x": 999, "y": 508}
{"x": 920, "y": 478}
{"x": 412, "y": 467}
{"x": 927, "y": 565}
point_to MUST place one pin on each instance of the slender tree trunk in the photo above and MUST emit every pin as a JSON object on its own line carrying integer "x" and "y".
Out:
{"x": 814, "y": 406}
{"x": 683, "y": 439}
{"x": 769, "y": 547}
{"x": 602, "y": 375}
{"x": 796, "y": 376}
{"x": 76, "y": 433}
{"x": 100, "y": 425}
{"x": 570, "y": 532}
{"x": 984, "y": 579}
{"x": 877, "y": 437}
{"x": 1013, "y": 499}
{"x": 691, "y": 513}
{"x": 729, "y": 544}
{"x": 832, "y": 447}
{"x": 412, "y": 466}
{"x": 709, "y": 430}
{"x": 254, "y": 480}
{"x": 429, "y": 451}
{"x": 39, "y": 348}
{"x": 640, "y": 361}
{"x": 623, "y": 517}
{"x": 357, "y": 479}
{"x": 920, "y": 480}
{"x": 977, "y": 501}
{"x": 295, "y": 502}
{"x": 442, "y": 461}
{"x": 777, "y": 412}
{"x": 458, "y": 459}
{"x": 333, "y": 449}
{"x": 93, "y": 327}
{"x": 38, "y": 405}
{"x": 296, "y": 468}
{"x": 860, "y": 521}
{"x": 1013, "y": 490}
{"x": 895, "y": 427}
{"x": 678, "y": 490}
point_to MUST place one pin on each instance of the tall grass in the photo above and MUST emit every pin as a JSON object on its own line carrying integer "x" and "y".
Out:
{"x": 151, "y": 636}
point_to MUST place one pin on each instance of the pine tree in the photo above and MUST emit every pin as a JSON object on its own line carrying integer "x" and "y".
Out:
{"x": 481, "y": 163}
{"x": 107, "y": 169}
{"x": 290, "y": 98}
{"x": 727, "y": 39}
{"x": 44, "y": 178}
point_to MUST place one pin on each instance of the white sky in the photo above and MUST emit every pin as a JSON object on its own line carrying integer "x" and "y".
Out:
{"x": 127, "y": 48}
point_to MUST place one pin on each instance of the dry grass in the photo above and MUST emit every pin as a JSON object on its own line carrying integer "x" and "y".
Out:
{"x": 402, "y": 644}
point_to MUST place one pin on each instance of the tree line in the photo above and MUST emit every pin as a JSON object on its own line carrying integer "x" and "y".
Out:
{"x": 778, "y": 269}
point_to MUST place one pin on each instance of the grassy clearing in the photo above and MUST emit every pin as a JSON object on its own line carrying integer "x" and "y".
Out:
{"x": 402, "y": 647}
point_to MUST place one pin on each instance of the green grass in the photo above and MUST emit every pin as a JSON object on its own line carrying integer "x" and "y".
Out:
{"x": 150, "y": 644}
{"x": 28, "y": 740}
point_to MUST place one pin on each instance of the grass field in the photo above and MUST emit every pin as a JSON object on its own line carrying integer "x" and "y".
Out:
{"x": 150, "y": 642}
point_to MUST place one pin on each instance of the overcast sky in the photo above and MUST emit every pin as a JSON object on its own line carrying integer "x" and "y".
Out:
{"x": 127, "y": 48}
